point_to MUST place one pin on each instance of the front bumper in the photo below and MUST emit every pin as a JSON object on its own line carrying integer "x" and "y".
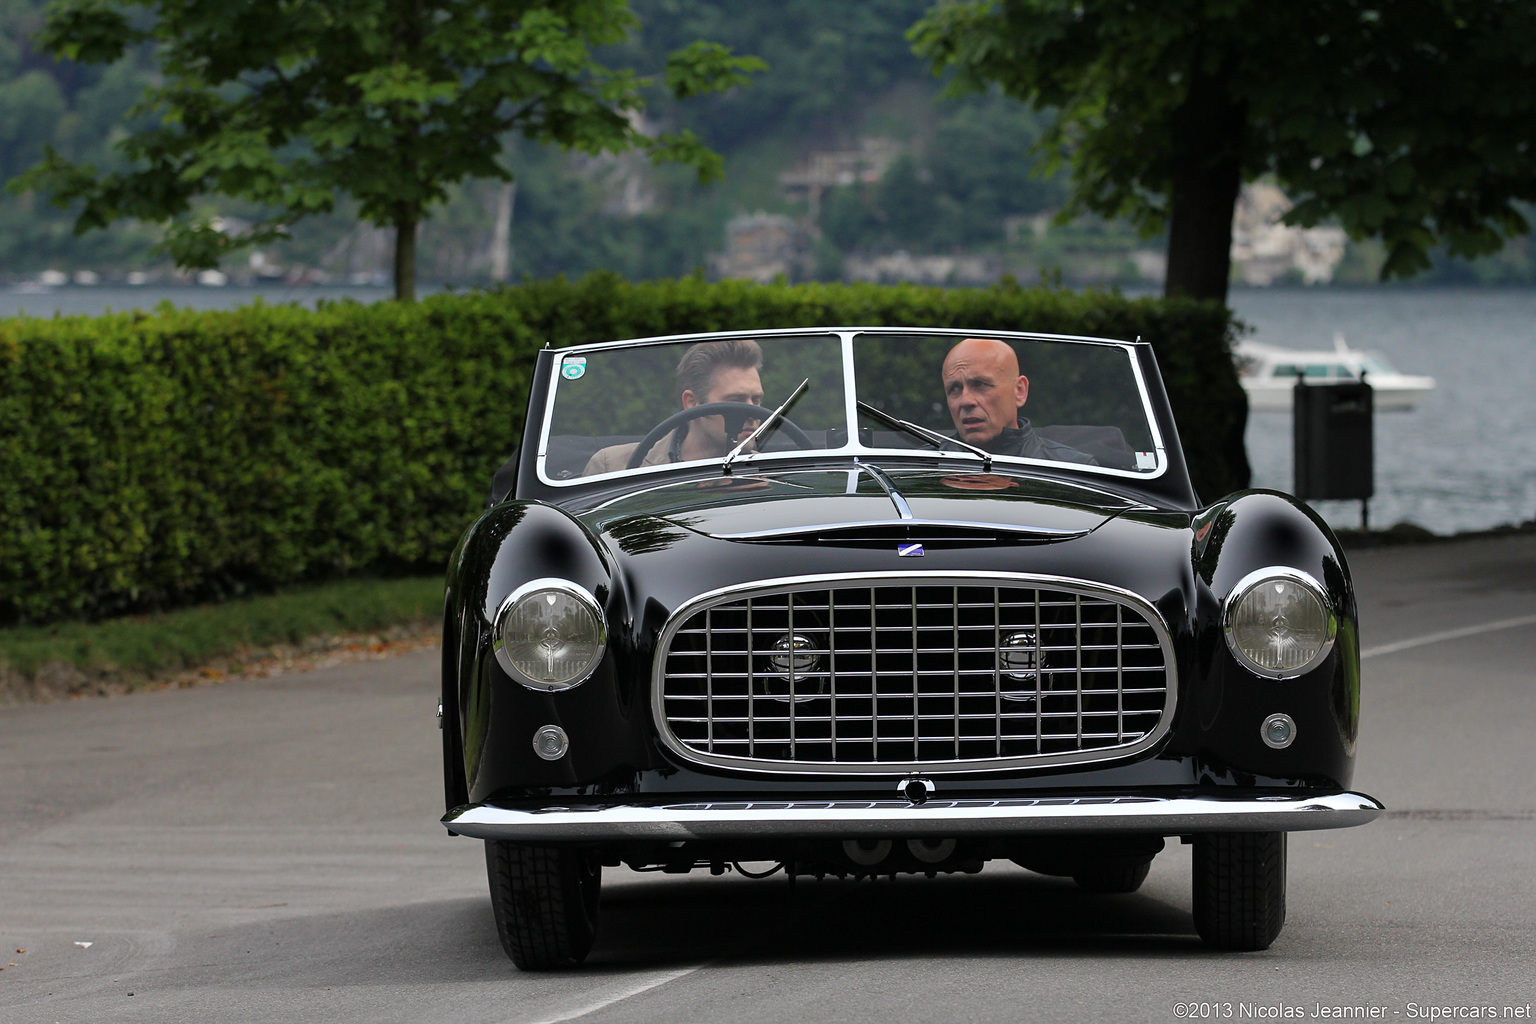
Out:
{"x": 849, "y": 819}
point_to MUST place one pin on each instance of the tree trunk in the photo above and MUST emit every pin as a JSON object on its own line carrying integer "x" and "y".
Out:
{"x": 406, "y": 219}
{"x": 501, "y": 234}
{"x": 1209, "y": 137}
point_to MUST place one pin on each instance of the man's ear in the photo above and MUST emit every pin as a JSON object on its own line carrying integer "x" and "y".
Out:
{"x": 1021, "y": 392}
{"x": 689, "y": 400}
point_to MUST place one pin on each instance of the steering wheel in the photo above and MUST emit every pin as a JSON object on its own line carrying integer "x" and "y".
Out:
{"x": 735, "y": 413}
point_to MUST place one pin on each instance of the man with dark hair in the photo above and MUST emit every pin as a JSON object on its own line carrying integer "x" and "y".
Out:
{"x": 985, "y": 392}
{"x": 711, "y": 371}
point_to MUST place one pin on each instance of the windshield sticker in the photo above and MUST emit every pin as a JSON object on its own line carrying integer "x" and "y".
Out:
{"x": 573, "y": 367}
{"x": 1146, "y": 460}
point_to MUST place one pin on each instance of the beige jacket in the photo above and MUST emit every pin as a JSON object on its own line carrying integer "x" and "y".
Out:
{"x": 616, "y": 457}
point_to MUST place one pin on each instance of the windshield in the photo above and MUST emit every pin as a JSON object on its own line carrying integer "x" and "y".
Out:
{"x": 638, "y": 408}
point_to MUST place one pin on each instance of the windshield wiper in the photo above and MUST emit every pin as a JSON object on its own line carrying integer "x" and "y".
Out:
{"x": 924, "y": 434}
{"x": 763, "y": 427}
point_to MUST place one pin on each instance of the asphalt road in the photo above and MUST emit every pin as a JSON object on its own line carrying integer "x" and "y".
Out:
{"x": 268, "y": 851}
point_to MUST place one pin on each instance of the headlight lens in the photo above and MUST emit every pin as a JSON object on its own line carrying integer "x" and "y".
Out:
{"x": 549, "y": 634}
{"x": 1279, "y": 624}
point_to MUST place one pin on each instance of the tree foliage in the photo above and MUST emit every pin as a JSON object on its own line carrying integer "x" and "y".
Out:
{"x": 290, "y": 103}
{"x": 975, "y": 174}
{"x": 1407, "y": 121}
{"x": 826, "y": 58}
{"x": 72, "y": 107}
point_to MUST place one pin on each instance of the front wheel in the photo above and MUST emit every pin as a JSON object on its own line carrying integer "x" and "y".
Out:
{"x": 1239, "y": 888}
{"x": 545, "y": 901}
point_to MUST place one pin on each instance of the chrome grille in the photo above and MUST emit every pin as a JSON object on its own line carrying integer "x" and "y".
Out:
{"x": 913, "y": 673}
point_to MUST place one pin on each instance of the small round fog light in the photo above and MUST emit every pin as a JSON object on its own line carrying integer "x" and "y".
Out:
{"x": 550, "y": 742}
{"x": 1018, "y": 657}
{"x": 793, "y": 654}
{"x": 1279, "y": 731}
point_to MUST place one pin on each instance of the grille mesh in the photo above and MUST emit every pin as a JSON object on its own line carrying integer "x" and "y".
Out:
{"x": 901, "y": 675}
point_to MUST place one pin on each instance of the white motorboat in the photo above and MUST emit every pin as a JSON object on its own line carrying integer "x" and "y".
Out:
{"x": 1269, "y": 373}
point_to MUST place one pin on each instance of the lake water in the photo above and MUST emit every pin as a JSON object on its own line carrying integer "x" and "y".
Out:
{"x": 1465, "y": 460}
{"x": 79, "y": 301}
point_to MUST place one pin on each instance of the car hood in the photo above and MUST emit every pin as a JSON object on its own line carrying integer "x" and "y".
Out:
{"x": 882, "y": 503}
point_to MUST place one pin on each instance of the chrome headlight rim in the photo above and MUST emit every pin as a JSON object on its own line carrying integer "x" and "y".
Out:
{"x": 570, "y": 589}
{"x": 1246, "y": 585}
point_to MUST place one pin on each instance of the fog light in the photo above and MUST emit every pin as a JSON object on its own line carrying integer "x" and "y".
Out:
{"x": 793, "y": 654}
{"x": 794, "y": 669}
{"x": 1279, "y": 731}
{"x": 1018, "y": 657}
{"x": 550, "y": 742}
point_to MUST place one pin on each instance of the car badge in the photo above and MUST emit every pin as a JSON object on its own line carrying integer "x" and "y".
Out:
{"x": 909, "y": 550}
{"x": 574, "y": 367}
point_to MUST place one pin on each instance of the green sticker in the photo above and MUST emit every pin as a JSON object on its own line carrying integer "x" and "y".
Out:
{"x": 573, "y": 367}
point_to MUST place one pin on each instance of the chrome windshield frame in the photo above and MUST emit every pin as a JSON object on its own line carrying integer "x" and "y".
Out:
{"x": 853, "y": 447}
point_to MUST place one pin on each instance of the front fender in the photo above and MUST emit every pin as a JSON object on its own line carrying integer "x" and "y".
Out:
{"x": 511, "y": 544}
{"x": 1248, "y": 531}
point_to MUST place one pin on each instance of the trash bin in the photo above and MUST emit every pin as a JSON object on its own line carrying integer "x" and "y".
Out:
{"x": 1334, "y": 441}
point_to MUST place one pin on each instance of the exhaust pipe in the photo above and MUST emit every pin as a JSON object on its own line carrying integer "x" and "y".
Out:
{"x": 931, "y": 851}
{"x": 867, "y": 852}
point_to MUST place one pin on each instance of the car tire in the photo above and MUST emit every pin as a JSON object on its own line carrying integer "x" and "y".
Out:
{"x": 545, "y": 900}
{"x": 1112, "y": 876}
{"x": 1239, "y": 889}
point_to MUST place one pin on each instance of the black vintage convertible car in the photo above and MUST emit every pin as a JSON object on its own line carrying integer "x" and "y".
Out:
{"x": 856, "y": 602}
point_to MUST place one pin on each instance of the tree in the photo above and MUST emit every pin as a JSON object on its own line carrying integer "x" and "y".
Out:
{"x": 290, "y": 103}
{"x": 1404, "y": 120}
{"x": 827, "y": 58}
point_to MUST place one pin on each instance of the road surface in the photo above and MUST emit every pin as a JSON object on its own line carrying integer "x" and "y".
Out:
{"x": 268, "y": 850}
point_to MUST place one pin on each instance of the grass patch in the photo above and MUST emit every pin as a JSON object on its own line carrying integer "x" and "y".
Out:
{"x": 146, "y": 645}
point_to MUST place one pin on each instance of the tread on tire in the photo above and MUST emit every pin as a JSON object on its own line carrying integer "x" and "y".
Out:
{"x": 1239, "y": 888}
{"x": 545, "y": 900}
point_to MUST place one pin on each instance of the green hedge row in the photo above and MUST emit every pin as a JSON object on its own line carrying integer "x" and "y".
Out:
{"x": 151, "y": 460}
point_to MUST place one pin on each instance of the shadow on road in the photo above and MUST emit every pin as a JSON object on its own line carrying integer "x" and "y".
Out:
{"x": 657, "y": 923}
{"x": 680, "y": 920}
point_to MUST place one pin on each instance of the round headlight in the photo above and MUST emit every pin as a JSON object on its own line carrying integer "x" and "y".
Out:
{"x": 549, "y": 634}
{"x": 1279, "y": 624}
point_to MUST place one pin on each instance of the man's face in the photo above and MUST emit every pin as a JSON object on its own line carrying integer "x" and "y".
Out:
{"x": 984, "y": 389}
{"x": 728, "y": 384}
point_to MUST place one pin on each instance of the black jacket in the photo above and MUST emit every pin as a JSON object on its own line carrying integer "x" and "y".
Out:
{"x": 1025, "y": 442}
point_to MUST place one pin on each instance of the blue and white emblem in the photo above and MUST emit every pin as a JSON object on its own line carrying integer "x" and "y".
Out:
{"x": 909, "y": 550}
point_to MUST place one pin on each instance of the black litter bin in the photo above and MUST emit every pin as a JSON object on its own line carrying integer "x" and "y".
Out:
{"x": 1334, "y": 441}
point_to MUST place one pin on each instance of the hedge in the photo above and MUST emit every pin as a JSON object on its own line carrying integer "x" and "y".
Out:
{"x": 149, "y": 460}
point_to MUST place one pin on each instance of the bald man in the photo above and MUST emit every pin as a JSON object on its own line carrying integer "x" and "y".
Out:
{"x": 985, "y": 392}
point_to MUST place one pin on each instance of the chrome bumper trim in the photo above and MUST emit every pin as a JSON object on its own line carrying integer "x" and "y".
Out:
{"x": 834, "y": 819}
